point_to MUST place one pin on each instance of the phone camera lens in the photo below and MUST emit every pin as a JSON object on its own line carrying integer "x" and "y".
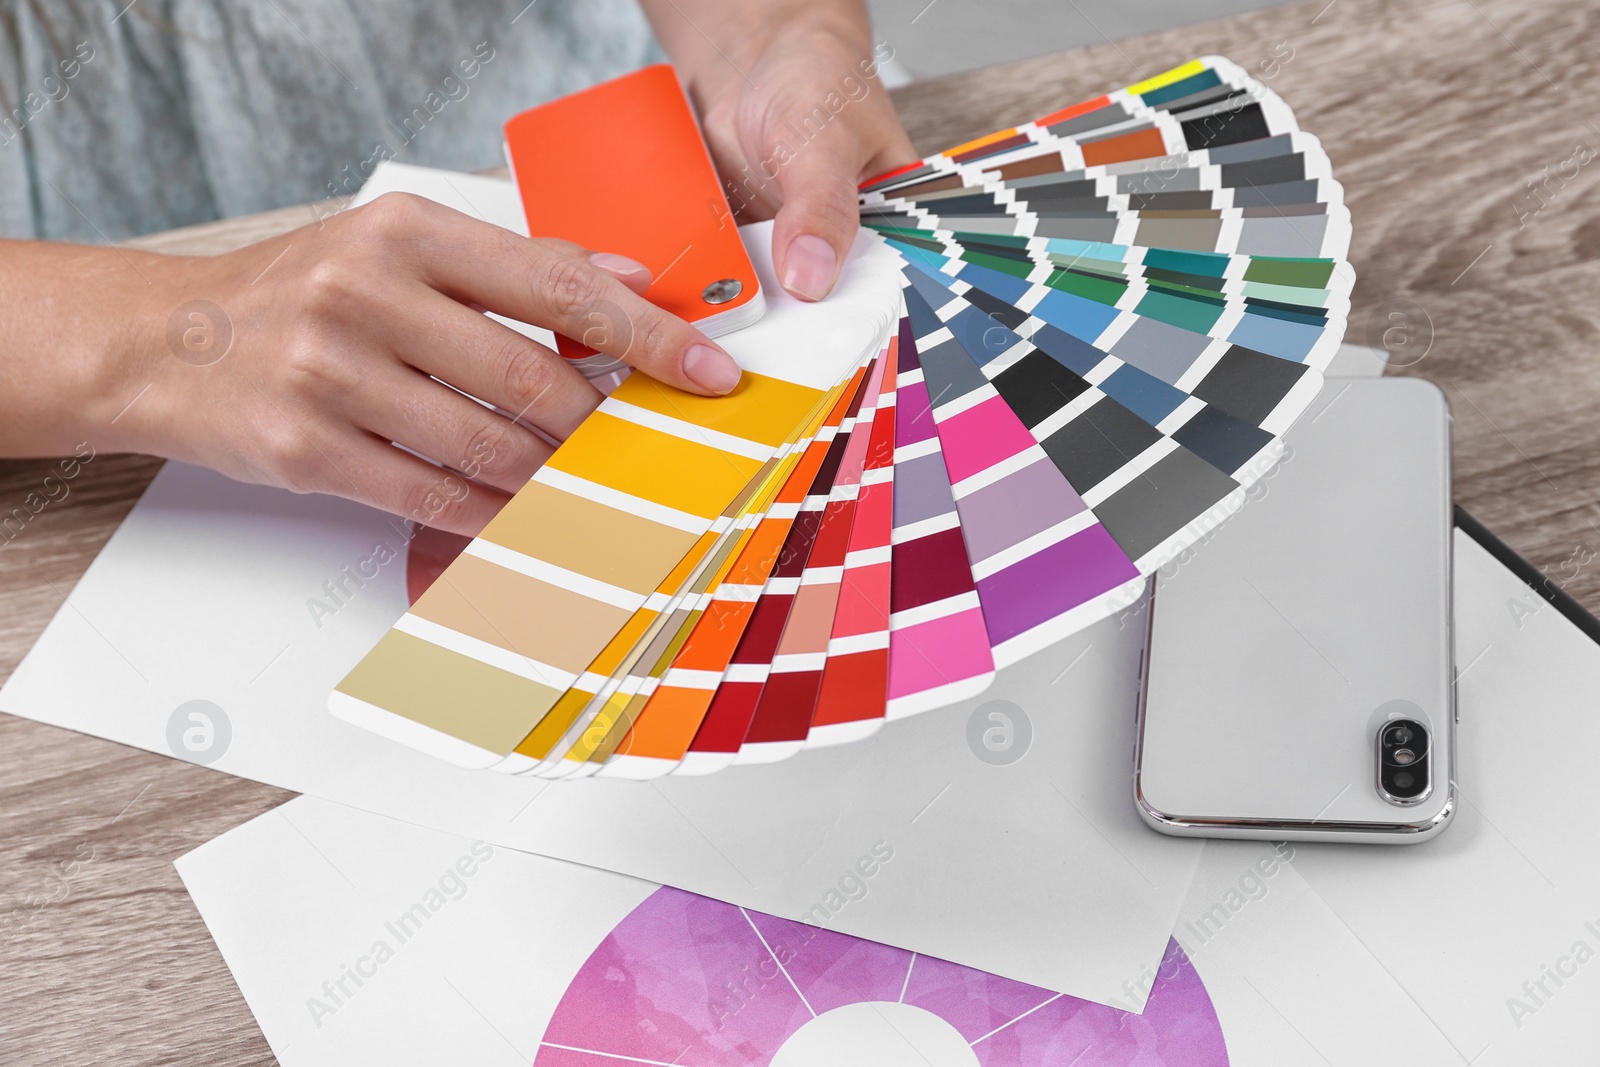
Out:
{"x": 1403, "y": 766}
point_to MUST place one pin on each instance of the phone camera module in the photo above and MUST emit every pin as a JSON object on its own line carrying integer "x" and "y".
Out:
{"x": 1403, "y": 776}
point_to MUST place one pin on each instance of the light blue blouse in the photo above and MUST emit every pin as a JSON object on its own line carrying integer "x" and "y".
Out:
{"x": 121, "y": 118}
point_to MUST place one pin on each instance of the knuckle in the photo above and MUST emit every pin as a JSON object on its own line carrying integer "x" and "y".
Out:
{"x": 419, "y": 499}
{"x": 528, "y": 376}
{"x": 308, "y": 369}
{"x": 293, "y": 459}
{"x": 425, "y": 499}
{"x": 570, "y": 287}
{"x": 333, "y": 284}
{"x": 394, "y": 214}
{"x": 489, "y": 449}
{"x": 656, "y": 340}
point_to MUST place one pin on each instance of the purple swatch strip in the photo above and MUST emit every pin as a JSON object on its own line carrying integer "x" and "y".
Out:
{"x": 1048, "y": 583}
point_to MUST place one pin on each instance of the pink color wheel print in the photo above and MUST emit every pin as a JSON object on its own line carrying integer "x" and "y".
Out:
{"x": 693, "y": 982}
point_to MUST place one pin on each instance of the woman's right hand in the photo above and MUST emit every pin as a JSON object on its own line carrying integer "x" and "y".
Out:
{"x": 334, "y": 341}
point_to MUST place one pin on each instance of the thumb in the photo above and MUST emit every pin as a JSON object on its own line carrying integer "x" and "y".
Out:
{"x": 817, "y": 222}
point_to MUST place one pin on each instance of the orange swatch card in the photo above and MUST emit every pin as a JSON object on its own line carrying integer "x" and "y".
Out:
{"x": 621, "y": 167}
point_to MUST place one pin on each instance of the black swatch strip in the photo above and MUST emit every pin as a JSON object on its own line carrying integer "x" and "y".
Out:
{"x": 1249, "y": 384}
{"x": 1097, "y": 442}
{"x": 1035, "y": 387}
{"x": 1223, "y": 441}
{"x": 1248, "y": 123}
{"x": 1006, "y": 314}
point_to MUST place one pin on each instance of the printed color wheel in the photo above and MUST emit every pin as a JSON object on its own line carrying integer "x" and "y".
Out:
{"x": 689, "y": 981}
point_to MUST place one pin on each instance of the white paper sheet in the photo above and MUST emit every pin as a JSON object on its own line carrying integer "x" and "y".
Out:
{"x": 1495, "y": 927}
{"x": 257, "y": 602}
{"x": 359, "y": 939}
{"x": 1305, "y": 954}
{"x": 1491, "y": 933}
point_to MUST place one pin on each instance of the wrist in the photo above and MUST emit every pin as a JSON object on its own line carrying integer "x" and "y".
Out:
{"x": 70, "y": 324}
{"x": 134, "y": 356}
{"x": 123, "y": 360}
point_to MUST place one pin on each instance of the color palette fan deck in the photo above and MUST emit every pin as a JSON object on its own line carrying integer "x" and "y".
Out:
{"x": 1057, "y": 357}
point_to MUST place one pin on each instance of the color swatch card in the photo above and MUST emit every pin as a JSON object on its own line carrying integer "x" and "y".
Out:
{"x": 598, "y": 542}
{"x": 1057, "y": 358}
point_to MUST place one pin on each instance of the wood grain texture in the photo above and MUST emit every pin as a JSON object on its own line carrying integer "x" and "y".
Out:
{"x": 1436, "y": 113}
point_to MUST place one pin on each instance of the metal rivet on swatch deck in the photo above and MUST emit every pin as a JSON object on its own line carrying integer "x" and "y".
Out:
{"x": 722, "y": 291}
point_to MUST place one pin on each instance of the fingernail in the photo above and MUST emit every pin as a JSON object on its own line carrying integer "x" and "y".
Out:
{"x": 808, "y": 269}
{"x": 711, "y": 369}
{"x": 621, "y": 266}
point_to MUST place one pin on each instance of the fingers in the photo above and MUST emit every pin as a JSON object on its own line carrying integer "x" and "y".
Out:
{"x": 629, "y": 272}
{"x": 817, "y": 221}
{"x": 557, "y": 285}
{"x": 751, "y": 192}
{"x": 494, "y": 363}
{"x": 411, "y": 409}
{"x": 404, "y": 485}
{"x": 363, "y": 468}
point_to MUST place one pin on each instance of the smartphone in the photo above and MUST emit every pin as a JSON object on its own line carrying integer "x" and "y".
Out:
{"x": 1298, "y": 678}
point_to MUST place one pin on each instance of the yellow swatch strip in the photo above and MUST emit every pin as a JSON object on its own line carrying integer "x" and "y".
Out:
{"x": 622, "y": 708}
{"x": 545, "y": 582}
{"x": 1167, "y": 77}
{"x": 611, "y": 720}
{"x": 591, "y": 709}
{"x": 543, "y": 739}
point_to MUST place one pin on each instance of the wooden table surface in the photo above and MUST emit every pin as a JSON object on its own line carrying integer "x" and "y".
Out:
{"x": 1458, "y": 129}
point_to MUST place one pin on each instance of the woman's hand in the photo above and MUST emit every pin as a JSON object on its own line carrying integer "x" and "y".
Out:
{"x": 303, "y": 361}
{"x": 296, "y": 362}
{"x": 795, "y": 116}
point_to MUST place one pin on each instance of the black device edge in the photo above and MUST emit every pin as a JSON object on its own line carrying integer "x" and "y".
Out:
{"x": 1530, "y": 575}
